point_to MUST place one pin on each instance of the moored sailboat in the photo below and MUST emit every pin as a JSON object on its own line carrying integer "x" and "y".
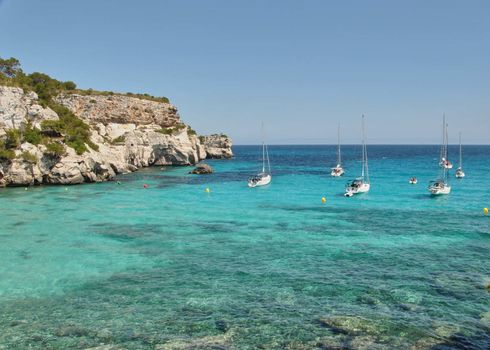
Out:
{"x": 444, "y": 161}
{"x": 338, "y": 170}
{"x": 459, "y": 172}
{"x": 362, "y": 184}
{"x": 441, "y": 184}
{"x": 263, "y": 178}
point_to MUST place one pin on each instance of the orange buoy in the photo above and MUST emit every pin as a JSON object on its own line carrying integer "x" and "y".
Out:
{"x": 145, "y": 186}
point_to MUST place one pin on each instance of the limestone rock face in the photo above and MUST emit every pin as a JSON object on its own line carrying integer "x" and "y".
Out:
{"x": 120, "y": 109}
{"x": 217, "y": 146}
{"x": 17, "y": 108}
{"x": 130, "y": 133}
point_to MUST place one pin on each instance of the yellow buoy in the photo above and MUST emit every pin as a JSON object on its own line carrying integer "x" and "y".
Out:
{"x": 324, "y": 200}
{"x": 485, "y": 211}
{"x": 207, "y": 190}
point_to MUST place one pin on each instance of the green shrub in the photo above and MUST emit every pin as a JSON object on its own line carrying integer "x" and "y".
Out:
{"x": 55, "y": 148}
{"x": 69, "y": 85}
{"x": 7, "y": 154}
{"x": 191, "y": 131}
{"x": 202, "y": 139}
{"x": 165, "y": 131}
{"x": 119, "y": 139}
{"x": 75, "y": 131}
{"x": 13, "y": 139}
{"x": 179, "y": 127}
{"x": 92, "y": 145}
{"x": 29, "y": 157}
{"x": 32, "y": 135}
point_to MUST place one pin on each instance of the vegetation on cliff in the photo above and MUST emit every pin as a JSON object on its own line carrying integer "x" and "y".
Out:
{"x": 69, "y": 128}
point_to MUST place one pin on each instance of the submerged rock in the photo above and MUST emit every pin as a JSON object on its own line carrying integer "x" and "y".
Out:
{"x": 485, "y": 319}
{"x": 72, "y": 331}
{"x": 352, "y": 325}
{"x": 221, "y": 325}
{"x": 105, "y": 347}
{"x": 215, "y": 342}
{"x": 202, "y": 169}
{"x": 104, "y": 334}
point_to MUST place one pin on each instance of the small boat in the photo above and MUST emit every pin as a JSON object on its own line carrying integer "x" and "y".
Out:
{"x": 263, "y": 178}
{"x": 445, "y": 163}
{"x": 338, "y": 170}
{"x": 413, "y": 180}
{"x": 441, "y": 185}
{"x": 362, "y": 184}
{"x": 459, "y": 172}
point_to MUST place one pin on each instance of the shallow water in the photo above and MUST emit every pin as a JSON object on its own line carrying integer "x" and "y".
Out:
{"x": 172, "y": 266}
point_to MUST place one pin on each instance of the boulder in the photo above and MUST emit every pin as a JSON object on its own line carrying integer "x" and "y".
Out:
{"x": 201, "y": 169}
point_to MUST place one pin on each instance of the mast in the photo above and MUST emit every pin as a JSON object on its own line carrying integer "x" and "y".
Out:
{"x": 365, "y": 169}
{"x": 263, "y": 149}
{"x": 460, "y": 152}
{"x": 441, "y": 156}
{"x": 268, "y": 162}
{"x": 445, "y": 170}
{"x": 339, "y": 160}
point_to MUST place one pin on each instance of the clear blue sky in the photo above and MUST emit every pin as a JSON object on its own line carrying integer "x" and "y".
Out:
{"x": 299, "y": 66}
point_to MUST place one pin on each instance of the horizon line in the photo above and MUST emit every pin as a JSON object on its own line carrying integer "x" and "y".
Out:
{"x": 357, "y": 144}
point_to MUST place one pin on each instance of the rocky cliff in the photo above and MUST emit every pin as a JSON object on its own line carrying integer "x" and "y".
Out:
{"x": 126, "y": 133}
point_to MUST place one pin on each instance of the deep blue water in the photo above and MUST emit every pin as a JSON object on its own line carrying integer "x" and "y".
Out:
{"x": 174, "y": 267}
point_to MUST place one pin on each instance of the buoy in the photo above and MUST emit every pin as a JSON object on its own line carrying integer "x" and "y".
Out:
{"x": 324, "y": 200}
{"x": 207, "y": 190}
{"x": 25, "y": 189}
{"x": 66, "y": 188}
{"x": 485, "y": 211}
{"x": 119, "y": 182}
{"x": 145, "y": 186}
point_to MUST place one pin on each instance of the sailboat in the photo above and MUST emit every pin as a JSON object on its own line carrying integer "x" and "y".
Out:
{"x": 445, "y": 163}
{"x": 441, "y": 185}
{"x": 263, "y": 178}
{"x": 338, "y": 170}
{"x": 459, "y": 172}
{"x": 361, "y": 184}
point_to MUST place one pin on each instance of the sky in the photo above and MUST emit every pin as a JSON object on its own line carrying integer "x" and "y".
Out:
{"x": 300, "y": 67}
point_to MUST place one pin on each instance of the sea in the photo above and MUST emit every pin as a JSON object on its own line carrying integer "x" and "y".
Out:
{"x": 116, "y": 265}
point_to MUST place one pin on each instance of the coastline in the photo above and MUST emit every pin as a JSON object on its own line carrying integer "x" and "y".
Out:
{"x": 125, "y": 133}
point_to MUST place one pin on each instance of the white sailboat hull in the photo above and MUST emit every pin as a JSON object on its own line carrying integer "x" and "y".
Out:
{"x": 363, "y": 188}
{"x": 436, "y": 191}
{"x": 460, "y": 173}
{"x": 361, "y": 184}
{"x": 337, "y": 171}
{"x": 264, "y": 180}
{"x": 441, "y": 185}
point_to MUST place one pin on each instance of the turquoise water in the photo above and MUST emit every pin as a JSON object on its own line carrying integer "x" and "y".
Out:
{"x": 172, "y": 266}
